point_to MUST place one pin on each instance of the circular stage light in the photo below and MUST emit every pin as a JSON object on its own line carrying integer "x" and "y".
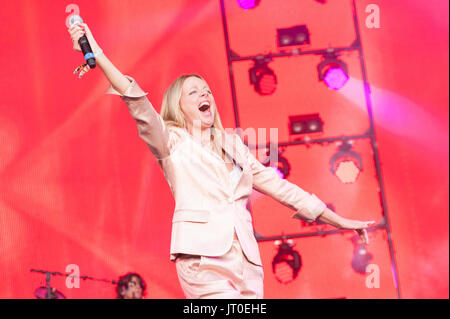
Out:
{"x": 281, "y": 166}
{"x": 346, "y": 164}
{"x": 248, "y": 4}
{"x": 267, "y": 84}
{"x": 347, "y": 171}
{"x": 287, "y": 262}
{"x": 335, "y": 78}
{"x": 263, "y": 78}
{"x": 361, "y": 257}
{"x": 333, "y": 71}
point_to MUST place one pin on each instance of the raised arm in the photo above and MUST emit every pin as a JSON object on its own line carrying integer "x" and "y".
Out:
{"x": 151, "y": 126}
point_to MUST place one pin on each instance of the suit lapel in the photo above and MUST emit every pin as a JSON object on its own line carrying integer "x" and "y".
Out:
{"x": 230, "y": 146}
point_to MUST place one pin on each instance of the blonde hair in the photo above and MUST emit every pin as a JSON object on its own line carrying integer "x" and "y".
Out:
{"x": 173, "y": 116}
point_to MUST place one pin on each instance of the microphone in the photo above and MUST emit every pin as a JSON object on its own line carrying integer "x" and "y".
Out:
{"x": 84, "y": 43}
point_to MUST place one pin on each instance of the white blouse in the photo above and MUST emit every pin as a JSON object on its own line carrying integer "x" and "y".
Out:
{"x": 235, "y": 174}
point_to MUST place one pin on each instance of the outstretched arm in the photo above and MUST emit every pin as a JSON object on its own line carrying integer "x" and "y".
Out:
{"x": 308, "y": 207}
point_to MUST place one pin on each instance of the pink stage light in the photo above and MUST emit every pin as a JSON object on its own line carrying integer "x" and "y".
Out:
{"x": 335, "y": 78}
{"x": 248, "y": 4}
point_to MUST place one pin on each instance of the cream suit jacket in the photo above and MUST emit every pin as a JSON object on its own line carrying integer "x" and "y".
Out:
{"x": 208, "y": 209}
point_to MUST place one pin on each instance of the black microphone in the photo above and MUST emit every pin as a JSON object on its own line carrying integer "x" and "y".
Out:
{"x": 84, "y": 43}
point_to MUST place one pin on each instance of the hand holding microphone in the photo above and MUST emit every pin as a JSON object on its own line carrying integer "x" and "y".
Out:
{"x": 83, "y": 41}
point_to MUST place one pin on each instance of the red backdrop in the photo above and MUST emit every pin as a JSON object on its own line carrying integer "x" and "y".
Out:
{"x": 78, "y": 186}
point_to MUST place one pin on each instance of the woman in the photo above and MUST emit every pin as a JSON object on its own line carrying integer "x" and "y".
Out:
{"x": 211, "y": 175}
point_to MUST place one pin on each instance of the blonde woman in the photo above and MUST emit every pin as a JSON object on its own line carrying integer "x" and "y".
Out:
{"x": 211, "y": 175}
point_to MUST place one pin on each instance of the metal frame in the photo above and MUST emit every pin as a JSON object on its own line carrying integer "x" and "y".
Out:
{"x": 370, "y": 134}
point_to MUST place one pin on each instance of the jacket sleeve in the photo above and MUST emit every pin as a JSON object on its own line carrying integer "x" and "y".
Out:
{"x": 265, "y": 180}
{"x": 151, "y": 126}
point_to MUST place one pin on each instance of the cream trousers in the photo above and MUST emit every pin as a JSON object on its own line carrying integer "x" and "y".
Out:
{"x": 230, "y": 276}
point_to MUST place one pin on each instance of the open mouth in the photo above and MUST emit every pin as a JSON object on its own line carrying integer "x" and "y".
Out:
{"x": 204, "y": 106}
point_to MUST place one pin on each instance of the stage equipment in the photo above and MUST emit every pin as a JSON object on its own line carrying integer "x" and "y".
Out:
{"x": 47, "y": 292}
{"x": 346, "y": 164}
{"x": 303, "y": 124}
{"x": 248, "y": 4}
{"x": 333, "y": 71}
{"x": 282, "y": 167}
{"x": 277, "y": 161}
{"x": 262, "y": 77}
{"x": 297, "y": 35}
{"x": 329, "y": 55}
{"x": 361, "y": 257}
{"x": 287, "y": 262}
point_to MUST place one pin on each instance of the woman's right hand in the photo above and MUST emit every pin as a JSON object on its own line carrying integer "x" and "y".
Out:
{"x": 76, "y": 31}
{"x": 114, "y": 76}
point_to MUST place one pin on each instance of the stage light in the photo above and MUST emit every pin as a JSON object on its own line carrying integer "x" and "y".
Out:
{"x": 287, "y": 262}
{"x": 278, "y": 162}
{"x": 297, "y": 35}
{"x": 262, "y": 77}
{"x": 346, "y": 164}
{"x": 248, "y": 4}
{"x": 283, "y": 168}
{"x": 333, "y": 71}
{"x": 361, "y": 257}
{"x": 302, "y": 124}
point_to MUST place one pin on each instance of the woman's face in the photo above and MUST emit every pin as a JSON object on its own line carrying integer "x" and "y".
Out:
{"x": 197, "y": 103}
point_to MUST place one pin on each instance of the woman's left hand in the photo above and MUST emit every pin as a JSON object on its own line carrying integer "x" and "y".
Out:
{"x": 359, "y": 227}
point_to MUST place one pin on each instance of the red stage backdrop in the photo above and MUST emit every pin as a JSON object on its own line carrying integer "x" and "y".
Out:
{"x": 78, "y": 186}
